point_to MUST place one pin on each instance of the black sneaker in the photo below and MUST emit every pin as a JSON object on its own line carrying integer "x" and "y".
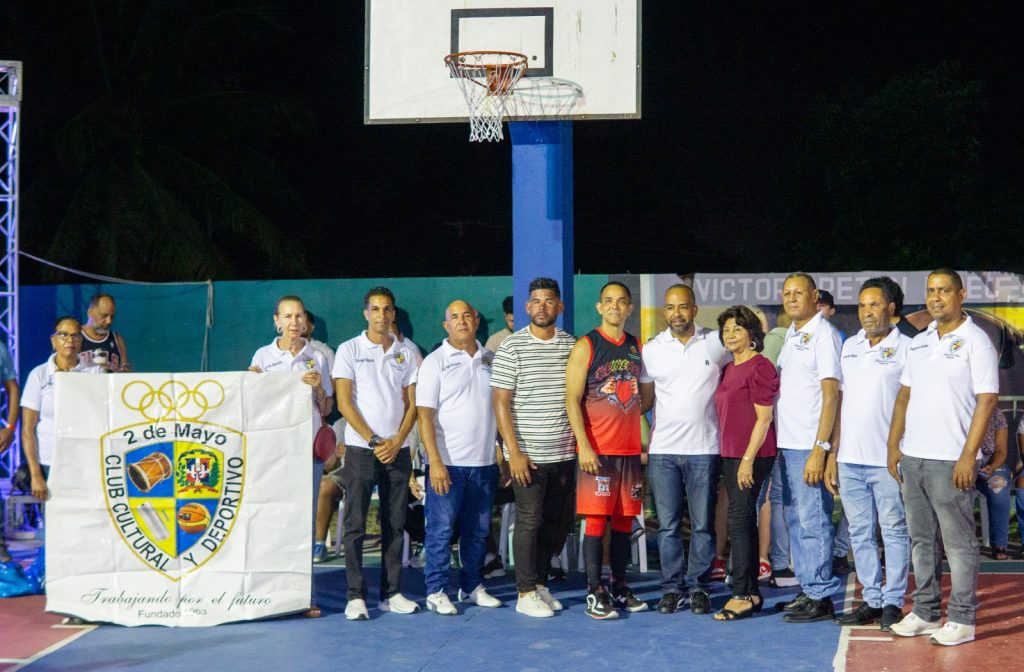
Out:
{"x": 494, "y": 568}
{"x": 700, "y": 603}
{"x": 625, "y": 599}
{"x": 816, "y": 610}
{"x": 840, "y": 565}
{"x": 891, "y": 615}
{"x": 783, "y": 578}
{"x": 862, "y": 615}
{"x": 671, "y": 603}
{"x": 599, "y": 606}
{"x": 798, "y": 604}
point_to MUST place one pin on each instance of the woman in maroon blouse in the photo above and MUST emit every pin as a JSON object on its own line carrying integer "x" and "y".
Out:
{"x": 744, "y": 399}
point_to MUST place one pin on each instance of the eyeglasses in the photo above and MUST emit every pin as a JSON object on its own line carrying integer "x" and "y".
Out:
{"x": 68, "y": 336}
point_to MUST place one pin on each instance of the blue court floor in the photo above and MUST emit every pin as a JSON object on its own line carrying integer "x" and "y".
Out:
{"x": 476, "y": 639}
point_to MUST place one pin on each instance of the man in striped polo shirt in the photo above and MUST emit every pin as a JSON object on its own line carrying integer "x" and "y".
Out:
{"x": 528, "y": 379}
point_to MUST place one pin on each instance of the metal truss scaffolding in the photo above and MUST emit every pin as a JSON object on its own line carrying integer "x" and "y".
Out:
{"x": 10, "y": 117}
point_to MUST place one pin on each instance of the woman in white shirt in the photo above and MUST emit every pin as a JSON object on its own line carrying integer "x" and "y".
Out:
{"x": 38, "y": 437}
{"x": 290, "y": 351}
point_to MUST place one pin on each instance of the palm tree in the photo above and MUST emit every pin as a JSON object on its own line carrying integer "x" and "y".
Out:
{"x": 169, "y": 171}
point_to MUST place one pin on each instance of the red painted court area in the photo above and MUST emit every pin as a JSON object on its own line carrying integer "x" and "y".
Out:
{"x": 27, "y": 633}
{"x": 999, "y": 638}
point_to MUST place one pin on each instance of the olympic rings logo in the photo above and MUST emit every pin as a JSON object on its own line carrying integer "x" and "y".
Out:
{"x": 173, "y": 399}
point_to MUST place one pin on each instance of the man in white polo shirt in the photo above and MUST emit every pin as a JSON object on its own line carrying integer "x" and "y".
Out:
{"x": 528, "y": 383}
{"x": 456, "y": 420}
{"x": 872, "y": 364}
{"x": 949, "y": 389}
{"x": 805, "y": 415}
{"x": 374, "y": 379}
{"x": 683, "y": 366}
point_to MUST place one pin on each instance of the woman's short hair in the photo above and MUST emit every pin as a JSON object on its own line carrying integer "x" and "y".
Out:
{"x": 747, "y": 319}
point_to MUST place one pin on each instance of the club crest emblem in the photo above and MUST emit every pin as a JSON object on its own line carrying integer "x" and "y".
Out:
{"x": 604, "y": 486}
{"x": 173, "y": 483}
{"x": 636, "y": 492}
{"x": 887, "y": 353}
{"x": 805, "y": 338}
{"x": 400, "y": 358}
{"x": 956, "y": 344}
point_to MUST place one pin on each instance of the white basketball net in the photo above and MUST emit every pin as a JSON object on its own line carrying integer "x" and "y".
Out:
{"x": 486, "y": 79}
{"x": 543, "y": 98}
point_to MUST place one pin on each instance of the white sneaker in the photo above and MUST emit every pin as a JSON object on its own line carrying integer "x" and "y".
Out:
{"x": 952, "y": 634}
{"x": 912, "y": 625}
{"x": 545, "y": 596}
{"x": 399, "y": 604}
{"x": 480, "y": 597}
{"x": 439, "y": 603}
{"x": 355, "y": 610}
{"x": 530, "y": 604}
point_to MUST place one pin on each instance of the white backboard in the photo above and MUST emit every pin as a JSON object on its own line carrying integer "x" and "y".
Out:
{"x": 594, "y": 43}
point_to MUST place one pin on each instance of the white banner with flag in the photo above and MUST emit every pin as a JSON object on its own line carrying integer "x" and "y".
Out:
{"x": 180, "y": 499}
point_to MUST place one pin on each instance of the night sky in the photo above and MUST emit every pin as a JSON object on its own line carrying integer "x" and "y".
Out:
{"x": 828, "y": 136}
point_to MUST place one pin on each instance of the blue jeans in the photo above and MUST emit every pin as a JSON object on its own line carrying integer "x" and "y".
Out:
{"x": 996, "y": 489}
{"x": 696, "y": 475}
{"x": 841, "y": 544}
{"x": 871, "y": 495}
{"x": 935, "y": 506}
{"x": 778, "y": 553}
{"x": 467, "y": 503}
{"x": 808, "y": 512}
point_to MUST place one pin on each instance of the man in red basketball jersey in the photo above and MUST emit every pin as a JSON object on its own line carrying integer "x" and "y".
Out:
{"x": 603, "y": 403}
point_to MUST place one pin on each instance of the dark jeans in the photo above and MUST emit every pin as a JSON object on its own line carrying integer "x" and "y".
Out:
{"x": 363, "y": 471}
{"x": 545, "y": 510}
{"x": 468, "y": 504}
{"x": 693, "y": 479}
{"x": 743, "y": 523}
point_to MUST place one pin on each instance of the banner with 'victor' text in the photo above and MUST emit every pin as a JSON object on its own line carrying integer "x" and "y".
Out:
{"x": 180, "y": 499}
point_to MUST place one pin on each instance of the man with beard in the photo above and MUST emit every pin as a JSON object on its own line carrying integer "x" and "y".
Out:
{"x": 602, "y": 399}
{"x": 872, "y": 364}
{"x": 528, "y": 382}
{"x": 100, "y": 345}
{"x": 682, "y": 368}
{"x": 948, "y": 391}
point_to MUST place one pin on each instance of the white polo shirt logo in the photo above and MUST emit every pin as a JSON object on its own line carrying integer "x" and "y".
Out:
{"x": 954, "y": 347}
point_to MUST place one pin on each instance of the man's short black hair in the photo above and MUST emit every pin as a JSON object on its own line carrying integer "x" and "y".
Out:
{"x": 958, "y": 282}
{"x": 379, "y": 291}
{"x": 95, "y": 299}
{"x": 805, "y": 276}
{"x": 545, "y": 283}
{"x": 615, "y": 283}
{"x": 507, "y": 306}
{"x": 884, "y": 284}
{"x": 747, "y": 319}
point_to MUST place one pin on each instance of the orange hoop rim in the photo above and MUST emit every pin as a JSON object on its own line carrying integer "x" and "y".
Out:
{"x": 453, "y": 60}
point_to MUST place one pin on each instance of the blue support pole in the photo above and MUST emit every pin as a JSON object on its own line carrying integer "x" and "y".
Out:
{"x": 542, "y": 219}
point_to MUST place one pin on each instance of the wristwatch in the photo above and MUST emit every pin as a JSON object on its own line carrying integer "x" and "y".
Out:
{"x": 375, "y": 441}
{"x": 824, "y": 445}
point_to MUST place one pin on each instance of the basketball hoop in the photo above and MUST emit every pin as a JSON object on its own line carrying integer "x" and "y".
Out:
{"x": 486, "y": 79}
{"x": 543, "y": 98}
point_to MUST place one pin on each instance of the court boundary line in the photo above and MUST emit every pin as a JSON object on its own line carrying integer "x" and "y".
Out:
{"x": 83, "y": 630}
{"x": 843, "y": 646}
